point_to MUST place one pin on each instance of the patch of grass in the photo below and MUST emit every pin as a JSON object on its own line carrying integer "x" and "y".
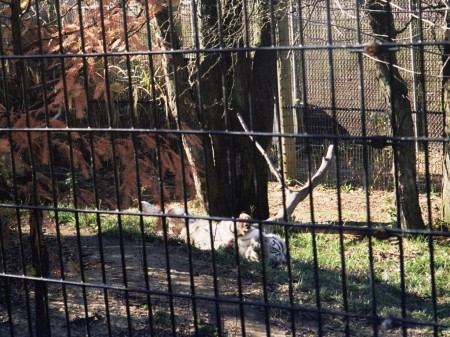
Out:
{"x": 65, "y": 217}
{"x": 291, "y": 181}
{"x": 374, "y": 272}
{"x": 225, "y": 257}
{"x": 128, "y": 225}
{"x": 71, "y": 217}
{"x": 205, "y": 330}
{"x": 161, "y": 317}
{"x": 346, "y": 188}
{"x": 88, "y": 219}
{"x": 323, "y": 187}
{"x": 386, "y": 272}
{"x": 391, "y": 210}
{"x": 197, "y": 203}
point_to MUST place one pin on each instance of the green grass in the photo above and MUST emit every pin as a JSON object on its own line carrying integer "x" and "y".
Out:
{"x": 161, "y": 317}
{"x": 386, "y": 272}
{"x": 385, "y": 267}
{"x": 346, "y": 188}
{"x": 128, "y": 225}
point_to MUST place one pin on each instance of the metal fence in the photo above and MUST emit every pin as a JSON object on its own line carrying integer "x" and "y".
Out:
{"x": 141, "y": 189}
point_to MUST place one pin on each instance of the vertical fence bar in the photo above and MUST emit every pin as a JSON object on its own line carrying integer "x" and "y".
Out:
{"x": 306, "y": 121}
{"x": 338, "y": 171}
{"x": 197, "y": 11}
{"x": 395, "y": 125}
{"x": 362, "y": 99}
{"x": 424, "y": 133}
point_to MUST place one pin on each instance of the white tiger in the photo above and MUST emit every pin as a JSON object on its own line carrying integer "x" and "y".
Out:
{"x": 201, "y": 232}
{"x": 249, "y": 246}
{"x": 273, "y": 245}
{"x": 222, "y": 234}
{"x": 175, "y": 218}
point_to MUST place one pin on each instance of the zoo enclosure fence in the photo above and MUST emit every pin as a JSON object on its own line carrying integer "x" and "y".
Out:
{"x": 89, "y": 123}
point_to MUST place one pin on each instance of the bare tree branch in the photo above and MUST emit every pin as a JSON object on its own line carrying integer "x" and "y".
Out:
{"x": 272, "y": 167}
{"x": 293, "y": 198}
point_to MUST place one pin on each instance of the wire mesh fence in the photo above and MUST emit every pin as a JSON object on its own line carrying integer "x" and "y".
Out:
{"x": 224, "y": 168}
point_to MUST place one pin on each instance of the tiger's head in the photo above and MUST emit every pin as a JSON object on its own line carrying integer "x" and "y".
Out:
{"x": 274, "y": 249}
{"x": 243, "y": 227}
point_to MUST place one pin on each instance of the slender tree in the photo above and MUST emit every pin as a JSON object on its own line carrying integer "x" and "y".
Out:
{"x": 446, "y": 107}
{"x": 395, "y": 92}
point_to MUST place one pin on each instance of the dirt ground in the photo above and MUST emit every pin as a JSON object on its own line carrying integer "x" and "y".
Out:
{"x": 354, "y": 206}
{"x": 173, "y": 274}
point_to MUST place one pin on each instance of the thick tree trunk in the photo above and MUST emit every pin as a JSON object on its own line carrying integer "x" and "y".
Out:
{"x": 418, "y": 73}
{"x": 394, "y": 89}
{"x": 252, "y": 87}
{"x": 230, "y": 174}
{"x": 183, "y": 106}
{"x": 251, "y": 169}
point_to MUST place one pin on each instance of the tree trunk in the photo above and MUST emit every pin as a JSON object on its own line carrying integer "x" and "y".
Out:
{"x": 394, "y": 89}
{"x": 183, "y": 106}
{"x": 16, "y": 32}
{"x": 285, "y": 91}
{"x": 39, "y": 257}
{"x": 225, "y": 169}
{"x": 446, "y": 168}
{"x": 418, "y": 73}
{"x": 446, "y": 107}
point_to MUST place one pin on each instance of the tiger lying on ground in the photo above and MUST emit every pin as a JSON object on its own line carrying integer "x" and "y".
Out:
{"x": 222, "y": 233}
{"x": 174, "y": 224}
{"x": 248, "y": 239}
